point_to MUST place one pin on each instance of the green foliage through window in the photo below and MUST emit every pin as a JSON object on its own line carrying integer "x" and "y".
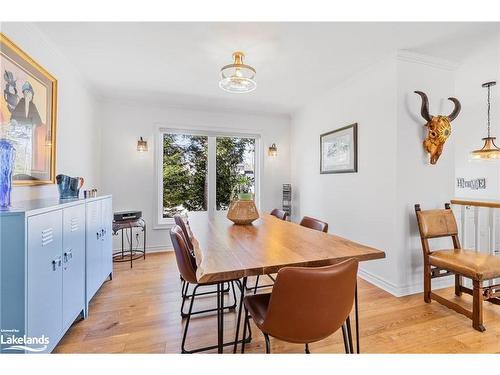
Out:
{"x": 185, "y": 171}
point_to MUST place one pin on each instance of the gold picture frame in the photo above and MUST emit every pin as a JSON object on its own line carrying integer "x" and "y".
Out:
{"x": 28, "y": 114}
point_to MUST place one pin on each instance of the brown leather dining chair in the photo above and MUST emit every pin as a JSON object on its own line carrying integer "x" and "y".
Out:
{"x": 185, "y": 285}
{"x": 186, "y": 264}
{"x": 471, "y": 264}
{"x": 312, "y": 223}
{"x": 306, "y": 305}
{"x": 180, "y": 222}
{"x": 280, "y": 214}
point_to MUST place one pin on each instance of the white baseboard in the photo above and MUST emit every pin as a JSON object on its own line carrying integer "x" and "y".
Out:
{"x": 405, "y": 290}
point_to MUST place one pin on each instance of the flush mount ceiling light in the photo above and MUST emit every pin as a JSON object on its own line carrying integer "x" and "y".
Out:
{"x": 490, "y": 150}
{"x": 237, "y": 77}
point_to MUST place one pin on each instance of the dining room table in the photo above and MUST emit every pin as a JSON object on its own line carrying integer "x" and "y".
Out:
{"x": 225, "y": 251}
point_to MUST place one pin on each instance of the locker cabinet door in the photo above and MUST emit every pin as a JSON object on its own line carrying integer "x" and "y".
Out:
{"x": 73, "y": 263}
{"x": 94, "y": 248}
{"x": 107, "y": 245}
{"x": 45, "y": 276}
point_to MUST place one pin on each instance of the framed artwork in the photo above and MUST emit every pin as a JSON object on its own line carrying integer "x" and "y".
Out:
{"x": 339, "y": 150}
{"x": 28, "y": 107}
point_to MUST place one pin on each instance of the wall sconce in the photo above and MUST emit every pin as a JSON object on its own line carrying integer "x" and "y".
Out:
{"x": 142, "y": 145}
{"x": 273, "y": 150}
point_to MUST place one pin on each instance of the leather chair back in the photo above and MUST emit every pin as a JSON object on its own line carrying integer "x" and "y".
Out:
{"x": 309, "y": 304}
{"x": 280, "y": 214}
{"x": 436, "y": 223}
{"x": 185, "y": 261}
{"x": 315, "y": 224}
{"x": 180, "y": 222}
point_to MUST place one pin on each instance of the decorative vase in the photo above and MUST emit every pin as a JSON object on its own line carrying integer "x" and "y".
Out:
{"x": 7, "y": 156}
{"x": 243, "y": 211}
{"x": 69, "y": 187}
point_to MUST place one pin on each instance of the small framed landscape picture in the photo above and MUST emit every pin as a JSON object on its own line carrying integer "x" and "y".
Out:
{"x": 339, "y": 150}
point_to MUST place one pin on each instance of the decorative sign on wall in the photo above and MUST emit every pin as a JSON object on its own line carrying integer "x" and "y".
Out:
{"x": 474, "y": 184}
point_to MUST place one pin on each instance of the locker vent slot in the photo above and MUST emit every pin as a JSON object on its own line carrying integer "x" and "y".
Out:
{"x": 47, "y": 236}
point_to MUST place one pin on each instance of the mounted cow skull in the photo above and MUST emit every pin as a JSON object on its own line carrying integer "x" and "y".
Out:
{"x": 438, "y": 127}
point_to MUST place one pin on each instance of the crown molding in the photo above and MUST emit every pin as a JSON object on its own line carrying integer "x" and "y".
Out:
{"x": 38, "y": 37}
{"x": 418, "y": 58}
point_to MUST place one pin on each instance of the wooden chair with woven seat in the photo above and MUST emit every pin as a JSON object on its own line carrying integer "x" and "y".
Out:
{"x": 310, "y": 222}
{"x": 307, "y": 304}
{"x": 471, "y": 264}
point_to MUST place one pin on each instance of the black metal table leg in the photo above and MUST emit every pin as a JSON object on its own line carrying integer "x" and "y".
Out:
{"x": 131, "y": 247}
{"x": 144, "y": 230}
{"x": 122, "y": 246}
{"x": 356, "y": 312}
{"x": 242, "y": 296}
{"x": 218, "y": 317}
{"x": 221, "y": 345}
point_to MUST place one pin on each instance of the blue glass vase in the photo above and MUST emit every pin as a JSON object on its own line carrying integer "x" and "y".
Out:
{"x": 7, "y": 156}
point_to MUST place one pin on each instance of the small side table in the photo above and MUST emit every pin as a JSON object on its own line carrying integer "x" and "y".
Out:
{"x": 120, "y": 256}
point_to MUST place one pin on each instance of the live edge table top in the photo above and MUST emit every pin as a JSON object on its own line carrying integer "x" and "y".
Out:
{"x": 225, "y": 251}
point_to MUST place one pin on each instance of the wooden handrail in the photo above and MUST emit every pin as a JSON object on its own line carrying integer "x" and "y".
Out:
{"x": 476, "y": 203}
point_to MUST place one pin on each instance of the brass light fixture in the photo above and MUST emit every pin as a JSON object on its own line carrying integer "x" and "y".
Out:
{"x": 237, "y": 77}
{"x": 490, "y": 150}
{"x": 273, "y": 150}
{"x": 142, "y": 145}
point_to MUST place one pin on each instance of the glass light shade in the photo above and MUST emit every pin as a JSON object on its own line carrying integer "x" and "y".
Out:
{"x": 237, "y": 77}
{"x": 142, "y": 145}
{"x": 273, "y": 150}
{"x": 490, "y": 150}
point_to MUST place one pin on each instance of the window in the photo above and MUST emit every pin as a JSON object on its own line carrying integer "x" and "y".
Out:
{"x": 199, "y": 171}
{"x": 235, "y": 162}
{"x": 185, "y": 172}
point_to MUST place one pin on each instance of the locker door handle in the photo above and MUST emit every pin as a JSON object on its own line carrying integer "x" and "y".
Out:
{"x": 56, "y": 263}
{"x": 98, "y": 235}
{"x": 68, "y": 255}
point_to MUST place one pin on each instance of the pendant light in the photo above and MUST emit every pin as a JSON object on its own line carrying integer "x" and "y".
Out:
{"x": 237, "y": 77}
{"x": 490, "y": 150}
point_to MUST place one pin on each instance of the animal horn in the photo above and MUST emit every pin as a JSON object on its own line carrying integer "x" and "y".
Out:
{"x": 453, "y": 115}
{"x": 424, "y": 110}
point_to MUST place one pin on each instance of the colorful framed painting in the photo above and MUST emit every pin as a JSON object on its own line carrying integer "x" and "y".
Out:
{"x": 339, "y": 150}
{"x": 28, "y": 108}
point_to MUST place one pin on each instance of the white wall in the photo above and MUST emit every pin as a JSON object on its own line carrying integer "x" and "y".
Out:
{"x": 360, "y": 205}
{"x": 130, "y": 175}
{"x": 417, "y": 180}
{"x": 78, "y": 134}
{"x": 375, "y": 205}
{"x": 482, "y": 65}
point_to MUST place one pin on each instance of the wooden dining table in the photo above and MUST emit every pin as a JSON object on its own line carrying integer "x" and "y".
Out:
{"x": 225, "y": 251}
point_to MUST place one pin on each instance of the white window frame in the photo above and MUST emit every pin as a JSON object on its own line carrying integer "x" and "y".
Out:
{"x": 211, "y": 133}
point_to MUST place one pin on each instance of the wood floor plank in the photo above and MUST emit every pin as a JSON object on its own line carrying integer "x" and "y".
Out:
{"x": 138, "y": 312}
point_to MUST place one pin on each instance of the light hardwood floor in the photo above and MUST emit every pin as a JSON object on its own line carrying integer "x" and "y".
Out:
{"x": 138, "y": 312}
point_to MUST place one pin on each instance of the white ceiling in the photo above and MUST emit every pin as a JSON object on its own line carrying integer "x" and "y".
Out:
{"x": 178, "y": 63}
